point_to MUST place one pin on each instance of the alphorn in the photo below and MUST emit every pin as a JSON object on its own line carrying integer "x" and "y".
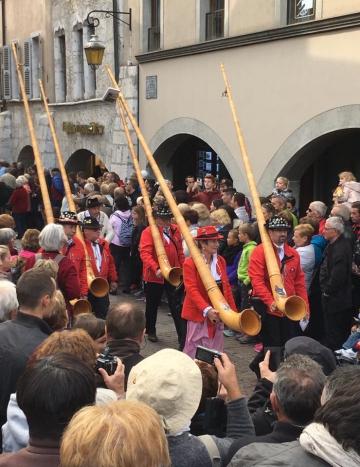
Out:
{"x": 98, "y": 286}
{"x": 43, "y": 186}
{"x": 172, "y": 275}
{"x": 248, "y": 320}
{"x": 293, "y": 307}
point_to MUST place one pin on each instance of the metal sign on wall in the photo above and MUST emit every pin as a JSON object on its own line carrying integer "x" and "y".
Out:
{"x": 92, "y": 128}
{"x": 151, "y": 87}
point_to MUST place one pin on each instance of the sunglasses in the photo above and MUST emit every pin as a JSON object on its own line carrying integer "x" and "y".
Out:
{"x": 310, "y": 210}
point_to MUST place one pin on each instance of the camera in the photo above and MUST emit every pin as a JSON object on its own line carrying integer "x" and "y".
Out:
{"x": 107, "y": 362}
{"x": 207, "y": 355}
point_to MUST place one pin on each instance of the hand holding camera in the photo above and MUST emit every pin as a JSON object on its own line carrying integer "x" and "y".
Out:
{"x": 112, "y": 370}
{"x": 227, "y": 376}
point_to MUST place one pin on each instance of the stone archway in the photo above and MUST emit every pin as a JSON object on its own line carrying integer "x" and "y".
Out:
{"x": 302, "y": 147}
{"x": 26, "y": 156}
{"x": 168, "y": 138}
{"x": 83, "y": 160}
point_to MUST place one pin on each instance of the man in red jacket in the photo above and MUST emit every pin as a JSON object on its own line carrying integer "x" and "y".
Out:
{"x": 276, "y": 326}
{"x": 155, "y": 283}
{"x": 208, "y": 195}
{"x": 102, "y": 263}
{"x": 74, "y": 249}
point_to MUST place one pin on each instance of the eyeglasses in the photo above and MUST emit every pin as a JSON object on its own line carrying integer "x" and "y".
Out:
{"x": 329, "y": 228}
{"x": 309, "y": 210}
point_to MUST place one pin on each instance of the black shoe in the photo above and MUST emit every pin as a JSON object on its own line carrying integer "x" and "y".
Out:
{"x": 113, "y": 293}
{"x": 127, "y": 291}
{"x": 152, "y": 338}
{"x": 248, "y": 340}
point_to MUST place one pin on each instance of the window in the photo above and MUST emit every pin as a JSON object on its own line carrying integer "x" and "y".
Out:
{"x": 11, "y": 89}
{"x": 301, "y": 10}
{"x": 215, "y": 20}
{"x": 78, "y": 63}
{"x": 89, "y": 73}
{"x": 60, "y": 66}
{"x": 154, "y": 30}
{"x": 36, "y": 70}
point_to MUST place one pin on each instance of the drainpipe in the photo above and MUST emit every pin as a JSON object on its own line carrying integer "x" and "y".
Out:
{"x": 3, "y": 108}
{"x": 116, "y": 42}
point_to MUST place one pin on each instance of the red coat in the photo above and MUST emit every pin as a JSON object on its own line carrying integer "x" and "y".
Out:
{"x": 76, "y": 252}
{"x": 20, "y": 200}
{"x": 205, "y": 197}
{"x": 148, "y": 254}
{"x": 67, "y": 277}
{"x": 322, "y": 223}
{"x": 108, "y": 270}
{"x": 293, "y": 276}
{"x": 196, "y": 298}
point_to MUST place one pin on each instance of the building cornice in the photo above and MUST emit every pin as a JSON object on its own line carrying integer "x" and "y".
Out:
{"x": 286, "y": 32}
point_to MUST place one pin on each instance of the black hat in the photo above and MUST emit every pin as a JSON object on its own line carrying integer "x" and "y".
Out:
{"x": 68, "y": 218}
{"x": 227, "y": 182}
{"x": 163, "y": 211}
{"x": 92, "y": 203}
{"x": 277, "y": 223}
{"x": 229, "y": 190}
{"x": 91, "y": 223}
{"x": 306, "y": 346}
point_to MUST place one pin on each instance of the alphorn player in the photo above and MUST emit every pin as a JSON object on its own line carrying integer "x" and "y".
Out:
{"x": 204, "y": 326}
{"x": 152, "y": 275}
{"x": 74, "y": 249}
{"x": 102, "y": 263}
{"x": 276, "y": 326}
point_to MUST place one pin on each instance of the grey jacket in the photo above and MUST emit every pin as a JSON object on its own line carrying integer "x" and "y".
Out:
{"x": 276, "y": 455}
{"x": 187, "y": 450}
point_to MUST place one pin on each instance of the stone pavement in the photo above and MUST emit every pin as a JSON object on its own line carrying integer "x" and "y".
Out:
{"x": 241, "y": 355}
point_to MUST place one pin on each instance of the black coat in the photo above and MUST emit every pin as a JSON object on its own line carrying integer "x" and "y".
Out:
{"x": 18, "y": 340}
{"x": 335, "y": 281}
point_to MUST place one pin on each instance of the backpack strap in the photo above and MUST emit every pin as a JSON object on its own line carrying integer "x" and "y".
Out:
{"x": 58, "y": 258}
{"x": 212, "y": 449}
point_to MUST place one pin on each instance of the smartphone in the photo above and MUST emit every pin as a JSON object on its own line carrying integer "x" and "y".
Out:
{"x": 207, "y": 355}
{"x": 199, "y": 180}
{"x": 275, "y": 357}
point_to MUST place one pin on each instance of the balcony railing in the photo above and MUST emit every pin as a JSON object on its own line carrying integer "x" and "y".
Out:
{"x": 153, "y": 39}
{"x": 214, "y": 25}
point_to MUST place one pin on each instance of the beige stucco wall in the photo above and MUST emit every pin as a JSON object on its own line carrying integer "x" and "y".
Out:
{"x": 332, "y": 8}
{"x": 248, "y": 16}
{"x": 277, "y": 87}
{"x": 179, "y": 23}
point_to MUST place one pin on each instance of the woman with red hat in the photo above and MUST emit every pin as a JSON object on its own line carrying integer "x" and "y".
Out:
{"x": 204, "y": 326}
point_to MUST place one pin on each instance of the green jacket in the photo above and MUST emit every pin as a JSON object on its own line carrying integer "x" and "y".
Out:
{"x": 242, "y": 271}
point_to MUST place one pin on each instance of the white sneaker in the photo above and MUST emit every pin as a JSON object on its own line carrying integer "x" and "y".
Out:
{"x": 349, "y": 353}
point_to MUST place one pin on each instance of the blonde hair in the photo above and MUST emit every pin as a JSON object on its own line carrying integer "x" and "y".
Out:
{"x": 349, "y": 176}
{"x": 123, "y": 434}
{"x": 47, "y": 265}
{"x": 4, "y": 250}
{"x": 221, "y": 216}
{"x": 305, "y": 230}
{"x": 284, "y": 180}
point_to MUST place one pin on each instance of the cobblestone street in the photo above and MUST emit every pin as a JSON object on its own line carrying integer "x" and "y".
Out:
{"x": 241, "y": 355}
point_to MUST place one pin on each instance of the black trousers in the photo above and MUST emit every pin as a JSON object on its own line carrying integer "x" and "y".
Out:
{"x": 337, "y": 327}
{"x": 275, "y": 331}
{"x": 153, "y": 297}
{"x": 121, "y": 254}
{"x": 100, "y": 305}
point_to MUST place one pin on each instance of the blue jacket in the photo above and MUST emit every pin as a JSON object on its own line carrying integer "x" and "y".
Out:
{"x": 231, "y": 270}
{"x": 319, "y": 243}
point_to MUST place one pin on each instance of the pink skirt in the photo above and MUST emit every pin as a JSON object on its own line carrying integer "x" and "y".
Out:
{"x": 198, "y": 334}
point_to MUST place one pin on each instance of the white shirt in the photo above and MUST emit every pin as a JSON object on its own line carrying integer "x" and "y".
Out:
{"x": 97, "y": 255}
{"x": 280, "y": 251}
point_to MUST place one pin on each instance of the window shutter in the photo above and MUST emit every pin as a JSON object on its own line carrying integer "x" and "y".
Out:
{"x": 1, "y": 76}
{"x": 27, "y": 68}
{"x": 40, "y": 67}
{"x": 7, "y": 71}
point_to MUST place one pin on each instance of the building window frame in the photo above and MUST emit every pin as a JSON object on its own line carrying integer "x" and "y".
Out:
{"x": 298, "y": 11}
{"x": 60, "y": 65}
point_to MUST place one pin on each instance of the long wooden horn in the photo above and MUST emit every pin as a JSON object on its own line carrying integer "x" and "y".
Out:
{"x": 293, "y": 307}
{"x": 172, "y": 275}
{"x": 247, "y": 321}
{"x": 98, "y": 286}
{"x": 43, "y": 186}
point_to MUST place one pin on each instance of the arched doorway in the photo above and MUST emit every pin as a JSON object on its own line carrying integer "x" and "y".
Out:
{"x": 85, "y": 161}
{"x": 26, "y": 156}
{"x": 185, "y": 154}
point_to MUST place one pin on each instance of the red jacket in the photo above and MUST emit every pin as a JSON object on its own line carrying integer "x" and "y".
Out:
{"x": 174, "y": 252}
{"x": 76, "y": 252}
{"x": 322, "y": 226}
{"x": 196, "y": 298}
{"x": 108, "y": 270}
{"x": 293, "y": 276}
{"x": 20, "y": 200}
{"x": 205, "y": 197}
{"x": 67, "y": 277}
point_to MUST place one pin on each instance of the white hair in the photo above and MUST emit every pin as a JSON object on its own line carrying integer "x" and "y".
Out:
{"x": 6, "y": 234}
{"x": 52, "y": 237}
{"x": 342, "y": 211}
{"x": 20, "y": 182}
{"x": 89, "y": 187}
{"x": 91, "y": 180}
{"x": 8, "y": 300}
{"x": 319, "y": 207}
{"x": 336, "y": 223}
